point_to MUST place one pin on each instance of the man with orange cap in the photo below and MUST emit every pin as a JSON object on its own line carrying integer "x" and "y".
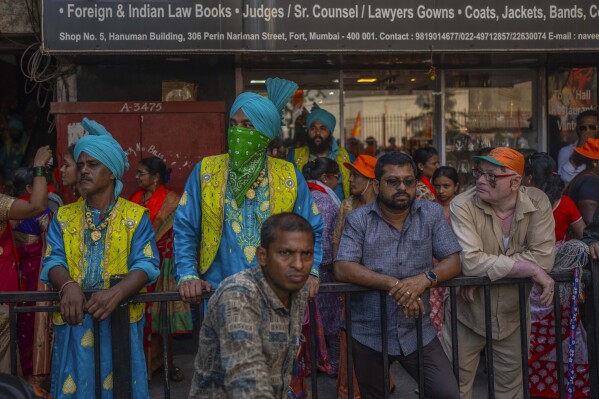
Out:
{"x": 584, "y": 188}
{"x": 505, "y": 230}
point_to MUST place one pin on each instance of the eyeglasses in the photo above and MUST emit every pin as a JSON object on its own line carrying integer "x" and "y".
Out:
{"x": 396, "y": 183}
{"x": 582, "y": 128}
{"x": 141, "y": 173}
{"x": 490, "y": 177}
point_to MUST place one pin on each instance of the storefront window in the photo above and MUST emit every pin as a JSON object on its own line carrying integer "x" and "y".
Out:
{"x": 388, "y": 109}
{"x": 486, "y": 109}
{"x": 570, "y": 91}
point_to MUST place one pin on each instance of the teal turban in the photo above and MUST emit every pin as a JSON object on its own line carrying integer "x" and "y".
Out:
{"x": 324, "y": 117}
{"x": 101, "y": 145}
{"x": 265, "y": 113}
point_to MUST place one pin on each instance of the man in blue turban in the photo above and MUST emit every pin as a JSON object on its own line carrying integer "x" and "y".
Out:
{"x": 322, "y": 143}
{"x": 89, "y": 242}
{"x": 227, "y": 198}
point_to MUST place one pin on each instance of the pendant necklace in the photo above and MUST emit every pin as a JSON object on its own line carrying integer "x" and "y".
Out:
{"x": 96, "y": 233}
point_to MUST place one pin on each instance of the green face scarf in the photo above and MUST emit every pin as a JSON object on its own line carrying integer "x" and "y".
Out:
{"x": 247, "y": 154}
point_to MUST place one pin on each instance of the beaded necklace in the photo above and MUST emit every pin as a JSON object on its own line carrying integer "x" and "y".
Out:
{"x": 251, "y": 193}
{"x": 96, "y": 233}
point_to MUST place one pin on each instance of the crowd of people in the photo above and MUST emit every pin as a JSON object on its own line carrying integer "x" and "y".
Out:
{"x": 264, "y": 232}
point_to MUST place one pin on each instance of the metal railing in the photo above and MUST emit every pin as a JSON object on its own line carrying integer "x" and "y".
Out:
{"x": 121, "y": 347}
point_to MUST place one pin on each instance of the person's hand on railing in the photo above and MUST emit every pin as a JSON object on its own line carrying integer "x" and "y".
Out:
{"x": 72, "y": 304}
{"x": 415, "y": 310}
{"x": 545, "y": 284}
{"x": 594, "y": 250}
{"x": 467, "y": 293}
{"x": 101, "y": 304}
{"x": 191, "y": 290}
{"x": 313, "y": 285}
{"x": 407, "y": 291}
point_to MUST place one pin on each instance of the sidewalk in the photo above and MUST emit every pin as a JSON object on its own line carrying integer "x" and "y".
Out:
{"x": 185, "y": 350}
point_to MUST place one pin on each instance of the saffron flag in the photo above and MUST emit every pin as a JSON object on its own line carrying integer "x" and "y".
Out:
{"x": 357, "y": 129}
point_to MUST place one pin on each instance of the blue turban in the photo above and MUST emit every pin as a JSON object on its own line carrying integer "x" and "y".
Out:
{"x": 324, "y": 117}
{"x": 265, "y": 113}
{"x": 101, "y": 145}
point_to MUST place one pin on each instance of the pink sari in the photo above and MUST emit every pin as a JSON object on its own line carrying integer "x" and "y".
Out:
{"x": 33, "y": 328}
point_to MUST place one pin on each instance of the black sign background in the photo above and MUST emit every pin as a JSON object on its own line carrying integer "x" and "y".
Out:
{"x": 311, "y": 26}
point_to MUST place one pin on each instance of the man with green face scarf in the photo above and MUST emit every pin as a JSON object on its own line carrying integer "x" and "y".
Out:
{"x": 227, "y": 198}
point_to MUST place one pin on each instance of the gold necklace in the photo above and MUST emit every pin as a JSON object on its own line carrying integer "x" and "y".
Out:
{"x": 96, "y": 231}
{"x": 251, "y": 193}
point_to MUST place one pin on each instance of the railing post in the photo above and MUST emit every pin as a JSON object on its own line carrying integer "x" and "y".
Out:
{"x": 12, "y": 320}
{"x": 593, "y": 326}
{"x": 420, "y": 347}
{"x": 489, "y": 339}
{"x": 313, "y": 360}
{"x": 349, "y": 343}
{"x": 523, "y": 305}
{"x": 385, "y": 342}
{"x": 165, "y": 348}
{"x": 121, "y": 347}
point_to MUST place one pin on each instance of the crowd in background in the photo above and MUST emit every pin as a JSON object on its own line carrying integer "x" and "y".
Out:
{"x": 340, "y": 180}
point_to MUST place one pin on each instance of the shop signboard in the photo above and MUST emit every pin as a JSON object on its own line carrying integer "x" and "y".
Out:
{"x": 75, "y": 26}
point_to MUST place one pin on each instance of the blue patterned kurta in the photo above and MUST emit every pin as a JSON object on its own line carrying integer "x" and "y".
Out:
{"x": 241, "y": 228}
{"x": 73, "y": 374}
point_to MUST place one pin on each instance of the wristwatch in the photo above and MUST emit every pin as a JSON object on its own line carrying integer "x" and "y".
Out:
{"x": 432, "y": 277}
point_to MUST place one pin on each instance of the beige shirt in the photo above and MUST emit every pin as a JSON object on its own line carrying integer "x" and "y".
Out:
{"x": 532, "y": 239}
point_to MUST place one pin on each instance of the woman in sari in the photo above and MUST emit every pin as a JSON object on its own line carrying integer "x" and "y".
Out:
{"x": 427, "y": 161}
{"x": 29, "y": 238}
{"x": 17, "y": 209}
{"x": 540, "y": 171}
{"x": 152, "y": 175}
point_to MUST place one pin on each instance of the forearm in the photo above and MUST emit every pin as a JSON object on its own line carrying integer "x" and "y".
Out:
{"x": 448, "y": 268}
{"x": 523, "y": 269}
{"x": 130, "y": 285}
{"x": 355, "y": 273}
{"x": 58, "y": 276}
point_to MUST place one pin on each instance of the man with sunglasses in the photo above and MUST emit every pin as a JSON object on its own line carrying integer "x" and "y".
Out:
{"x": 505, "y": 230}
{"x": 388, "y": 245}
{"x": 587, "y": 125}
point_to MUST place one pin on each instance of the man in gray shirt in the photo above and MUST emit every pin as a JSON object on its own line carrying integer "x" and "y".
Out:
{"x": 389, "y": 245}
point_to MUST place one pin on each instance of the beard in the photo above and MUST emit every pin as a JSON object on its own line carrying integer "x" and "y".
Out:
{"x": 398, "y": 201}
{"x": 325, "y": 144}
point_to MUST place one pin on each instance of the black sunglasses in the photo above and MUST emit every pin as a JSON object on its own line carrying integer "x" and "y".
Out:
{"x": 582, "y": 128}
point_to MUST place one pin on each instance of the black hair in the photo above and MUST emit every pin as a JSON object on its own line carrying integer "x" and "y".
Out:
{"x": 289, "y": 222}
{"x": 447, "y": 171}
{"x": 321, "y": 165}
{"x": 71, "y": 150}
{"x": 542, "y": 169}
{"x": 156, "y": 165}
{"x": 393, "y": 158}
{"x": 422, "y": 155}
{"x": 21, "y": 178}
{"x": 583, "y": 114}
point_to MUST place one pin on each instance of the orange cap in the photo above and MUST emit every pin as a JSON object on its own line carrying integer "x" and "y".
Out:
{"x": 590, "y": 149}
{"x": 506, "y": 157}
{"x": 364, "y": 164}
